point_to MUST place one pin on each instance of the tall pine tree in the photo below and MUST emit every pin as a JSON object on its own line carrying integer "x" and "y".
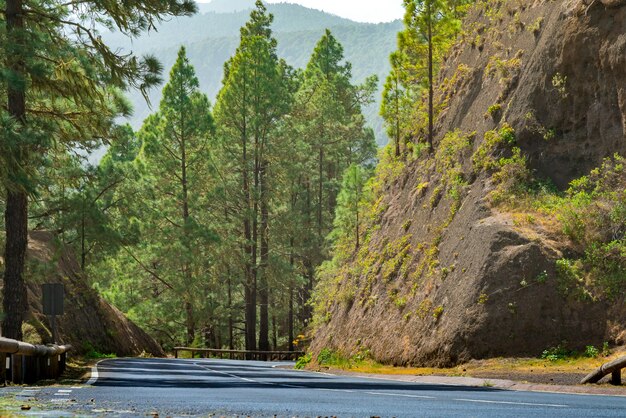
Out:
{"x": 253, "y": 99}
{"x": 176, "y": 146}
{"x": 62, "y": 82}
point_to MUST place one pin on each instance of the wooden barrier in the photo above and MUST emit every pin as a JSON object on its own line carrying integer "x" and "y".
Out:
{"x": 614, "y": 368}
{"x": 21, "y": 362}
{"x": 241, "y": 354}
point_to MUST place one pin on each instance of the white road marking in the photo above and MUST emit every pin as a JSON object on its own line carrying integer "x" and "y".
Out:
{"x": 65, "y": 390}
{"x": 230, "y": 375}
{"x": 513, "y": 403}
{"x": 61, "y": 394}
{"x": 94, "y": 374}
{"x": 404, "y": 395}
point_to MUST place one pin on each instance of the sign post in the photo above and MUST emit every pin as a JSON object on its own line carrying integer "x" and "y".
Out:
{"x": 52, "y": 301}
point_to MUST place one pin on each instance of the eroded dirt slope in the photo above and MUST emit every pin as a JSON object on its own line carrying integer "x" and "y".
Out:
{"x": 89, "y": 321}
{"x": 442, "y": 282}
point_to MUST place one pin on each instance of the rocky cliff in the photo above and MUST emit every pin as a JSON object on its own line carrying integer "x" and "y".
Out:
{"x": 455, "y": 267}
{"x": 89, "y": 322}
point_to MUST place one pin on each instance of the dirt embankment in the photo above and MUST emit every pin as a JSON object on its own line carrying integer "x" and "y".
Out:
{"x": 89, "y": 321}
{"x": 474, "y": 285}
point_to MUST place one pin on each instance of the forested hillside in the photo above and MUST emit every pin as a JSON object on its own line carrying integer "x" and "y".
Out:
{"x": 206, "y": 225}
{"x": 251, "y": 207}
{"x": 212, "y": 36}
{"x": 495, "y": 224}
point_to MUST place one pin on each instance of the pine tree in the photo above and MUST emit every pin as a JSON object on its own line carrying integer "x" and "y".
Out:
{"x": 62, "y": 82}
{"x": 350, "y": 210}
{"x": 434, "y": 23}
{"x": 252, "y": 101}
{"x": 392, "y": 103}
{"x": 328, "y": 117}
{"x": 176, "y": 146}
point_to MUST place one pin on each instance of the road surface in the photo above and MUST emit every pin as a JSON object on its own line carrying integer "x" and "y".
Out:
{"x": 140, "y": 387}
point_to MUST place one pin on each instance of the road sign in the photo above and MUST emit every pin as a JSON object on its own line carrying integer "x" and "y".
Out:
{"x": 52, "y": 301}
{"x": 53, "y": 298}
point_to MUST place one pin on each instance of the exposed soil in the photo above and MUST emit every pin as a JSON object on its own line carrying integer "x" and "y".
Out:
{"x": 557, "y": 69}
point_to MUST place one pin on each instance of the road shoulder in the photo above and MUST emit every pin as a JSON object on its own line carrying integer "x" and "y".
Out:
{"x": 503, "y": 384}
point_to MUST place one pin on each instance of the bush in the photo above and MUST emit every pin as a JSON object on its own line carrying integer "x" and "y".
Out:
{"x": 591, "y": 352}
{"x": 303, "y": 361}
{"x": 556, "y": 353}
{"x": 91, "y": 352}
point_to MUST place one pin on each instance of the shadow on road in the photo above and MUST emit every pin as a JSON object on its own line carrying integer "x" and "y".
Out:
{"x": 216, "y": 374}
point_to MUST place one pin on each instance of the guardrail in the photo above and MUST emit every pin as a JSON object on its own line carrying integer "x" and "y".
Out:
{"x": 614, "y": 368}
{"x": 241, "y": 354}
{"x": 21, "y": 362}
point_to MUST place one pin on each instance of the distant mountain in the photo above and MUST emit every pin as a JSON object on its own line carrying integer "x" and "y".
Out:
{"x": 212, "y": 36}
{"x": 225, "y": 6}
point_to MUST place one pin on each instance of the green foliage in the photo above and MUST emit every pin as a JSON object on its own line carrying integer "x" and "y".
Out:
{"x": 92, "y": 353}
{"x": 350, "y": 212}
{"x": 494, "y": 110}
{"x": 505, "y": 69}
{"x": 327, "y": 357}
{"x": 303, "y": 361}
{"x": 542, "y": 277}
{"x": 494, "y": 143}
{"x": 437, "y": 312}
{"x": 559, "y": 82}
{"x": 535, "y": 27}
{"x": 591, "y": 352}
{"x": 331, "y": 358}
{"x": 429, "y": 25}
{"x": 556, "y": 353}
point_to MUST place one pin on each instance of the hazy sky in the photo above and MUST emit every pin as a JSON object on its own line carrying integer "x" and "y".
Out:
{"x": 359, "y": 10}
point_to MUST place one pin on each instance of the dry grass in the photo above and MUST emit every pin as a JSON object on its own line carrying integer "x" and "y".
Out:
{"x": 511, "y": 368}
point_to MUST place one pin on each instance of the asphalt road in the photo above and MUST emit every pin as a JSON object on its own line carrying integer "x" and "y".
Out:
{"x": 140, "y": 387}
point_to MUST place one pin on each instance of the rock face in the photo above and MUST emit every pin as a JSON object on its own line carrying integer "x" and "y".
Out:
{"x": 89, "y": 321}
{"x": 557, "y": 72}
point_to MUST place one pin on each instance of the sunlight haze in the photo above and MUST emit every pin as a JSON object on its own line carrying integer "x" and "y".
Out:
{"x": 374, "y": 11}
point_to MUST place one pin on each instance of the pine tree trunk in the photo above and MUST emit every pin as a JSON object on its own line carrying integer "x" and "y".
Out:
{"x": 191, "y": 326}
{"x": 264, "y": 344}
{"x": 290, "y": 313}
{"x": 397, "y": 118}
{"x": 430, "y": 80}
{"x": 231, "y": 342}
{"x": 249, "y": 252}
{"x": 320, "y": 197}
{"x": 15, "y": 303}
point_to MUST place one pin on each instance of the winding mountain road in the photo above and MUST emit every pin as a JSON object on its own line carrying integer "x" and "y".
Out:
{"x": 168, "y": 387}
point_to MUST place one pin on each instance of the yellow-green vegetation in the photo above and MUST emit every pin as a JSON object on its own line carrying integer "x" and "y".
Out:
{"x": 448, "y": 159}
{"x": 559, "y": 82}
{"x": 591, "y": 213}
{"x": 553, "y": 361}
{"x": 438, "y": 312}
{"x": 494, "y": 111}
{"x": 505, "y": 69}
{"x": 535, "y": 27}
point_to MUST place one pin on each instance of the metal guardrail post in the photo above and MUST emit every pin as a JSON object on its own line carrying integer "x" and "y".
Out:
{"x": 62, "y": 363}
{"x": 616, "y": 377}
{"x": 16, "y": 368}
{"x": 3, "y": 368}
